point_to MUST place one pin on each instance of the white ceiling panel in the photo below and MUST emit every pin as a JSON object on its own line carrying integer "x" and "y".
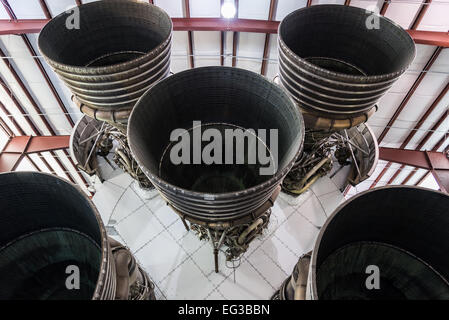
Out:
{"x": 205, "y": 9}
{"x": 436, "y": 17}
{"x": 247, "y": 9}
{"x": 3, "y": 13}
{"x": 284, "y": 7}
{"x": 371, "y": 5}
{"x": 61, "y": 88}
{"x": 250, "y": 51}
{"x": 442, "y": 63}
{"x": 402, "y": 175}
{"x": 40, "y": 164}
{"x": 388, "y": 105}
{"x": 11, "y": 107}
{"x": 433, "y": 84}
{"x": 415, "y": 178}
{"x": 430, "y": 183}
{"x": 25, "y": 165}
{"x": 31, "y": 76}
{"x": 71, "y": 169}
{"x": 315, "y": 2}
{"x": 390, "y": 172}
{"x": 272, "y": 63}
{"x": 179, "y": 59}
{"x": 440, "y": 109}
{"x": 438, "y": 134}
{"x": 174, "y": 8}
{"x": 423, "y": 54}
{"x": 377, "y": 124}
{"x": 26, "y": 9}
{"x": 402, "y": 12}
{"x": 228, "y": 48}
{"x": 404, "y": 83}
{"x": 445, "y": 144}
{"x": 58, "y": 6}
{"x": 53, "y": 164}
{"x": 206, "y": 48}
{"x": 9, "y": 122}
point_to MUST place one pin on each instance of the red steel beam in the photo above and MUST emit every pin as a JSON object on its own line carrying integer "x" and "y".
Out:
{"x": 437, "y": 124}
{"x": 441, "y": 142}
{"x": 436, "y": 162}
{"x": 13, "y": 153}
{"x": 430, "y": 38}
{"x": 33, "y": 163}
{"x": 45, "y": 9}
{"x": 309, "y": 3}
{"x": 19, "y": 147}
{"x": 234, "y": 48}
{"x": 410, "y": 93}
{"x": 222, "y": 24}
{"x": 189, "y": 34}
{"x": 399, "y": 110}
{"x": 12, "y": 119}
{"x": 21, "y": 26}
{"x": 425, "y": 139}
{"x": 422, "y": 178}
{"x": 78, "y": 2}
{"x": 19, "y": 107}
{"x": 415, "y": 130}
{"x": 420, "y": 14}
{"x": 271, "y": 13}
{"x": 384, "y": 8}
{"x": 9, "y": 161}
{"x": 48, "y": 143}
{"x": 27, "y": 93}
{"x": 55, "y": 94}
{"x": 22, "y": 132}
{"x": 435, "y": 148}
{"x": 427, "y": 114}
{"x": 6, "y": 128}
{"x": 222, "y": 45}
{"x": 48, "y": 80}
{"x": 32, "y": 125}
{"x": 442, "y": 179}
{"x": 434, "y": 38}
{"x": 38, "y": 111}
{"x": 235, "y": 37}
{"x": 419, "y": 146}
{"x": 421, "y": 159}
{"x": 222, "y": 39}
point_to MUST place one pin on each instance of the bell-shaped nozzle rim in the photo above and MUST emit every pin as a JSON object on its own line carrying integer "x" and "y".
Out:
{"x": 408, "y": 219}
{"x": 399, "y": 42}
{"x": 137, "y": 17}
{"x": 171, "y": 84}
{"x": 36, "y": 203}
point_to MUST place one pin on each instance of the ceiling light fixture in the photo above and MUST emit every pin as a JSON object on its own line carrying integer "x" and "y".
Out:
{"x": 228, "y": 9}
